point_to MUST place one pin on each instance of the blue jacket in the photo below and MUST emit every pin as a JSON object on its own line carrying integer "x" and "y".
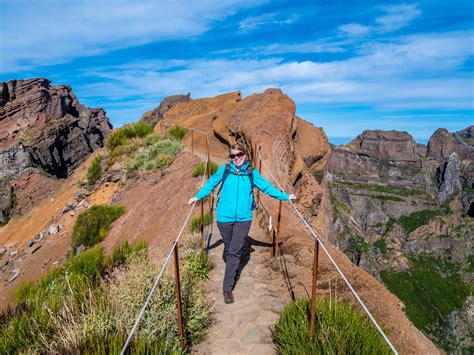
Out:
{"x": 235, "y": 201}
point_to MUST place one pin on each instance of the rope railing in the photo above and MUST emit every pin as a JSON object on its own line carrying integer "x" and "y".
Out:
{"x": 173, "y": 250}
{"x": 319, "y": 242}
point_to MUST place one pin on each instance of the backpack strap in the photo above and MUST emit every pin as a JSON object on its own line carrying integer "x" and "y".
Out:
{"x": 226, "y": 173}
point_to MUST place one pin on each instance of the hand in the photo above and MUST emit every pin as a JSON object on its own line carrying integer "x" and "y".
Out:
{"x": 292, "y": 197}
{"x": 192, "y": 201}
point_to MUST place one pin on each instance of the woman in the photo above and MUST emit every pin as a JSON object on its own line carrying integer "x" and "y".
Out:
{"x": 234, "y": 208}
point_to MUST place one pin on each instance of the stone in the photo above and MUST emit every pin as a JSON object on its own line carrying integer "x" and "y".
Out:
{"x": 3, "y": 250}
{"x": 16, "y": 273}
{"x": 6, "y": 200}
{"x": 451, "y": 184}
{"x": 54, "y": 228}
{"x": 71, "y": 213}
{"x": 69, "y": 206}
{"x": 81, "y": 194}
{"x": 80, "y": 249}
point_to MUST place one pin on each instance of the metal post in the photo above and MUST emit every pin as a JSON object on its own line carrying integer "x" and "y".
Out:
{"x": 178, "y": 297}
{"x": 202, "y": 225}
{"x": 277, "y": 237}
{"x": 192, "y": 142}
{"x": 315, "y": 280}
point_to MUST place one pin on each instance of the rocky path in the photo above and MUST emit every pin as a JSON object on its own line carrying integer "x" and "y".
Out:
{"x": 244, "y": 327}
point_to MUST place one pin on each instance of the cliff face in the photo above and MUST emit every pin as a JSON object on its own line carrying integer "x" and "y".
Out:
{"x": 397, "y": 209}
{"x": 45, "y": 129}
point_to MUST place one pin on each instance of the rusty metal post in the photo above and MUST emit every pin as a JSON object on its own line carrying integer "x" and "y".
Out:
{"x": 178, "y": 297}
{"x": 192, "y": 142}
{"x": 277, "y": 236}
{"x": 315, "y": 280}
{"x": 202, "y": 225}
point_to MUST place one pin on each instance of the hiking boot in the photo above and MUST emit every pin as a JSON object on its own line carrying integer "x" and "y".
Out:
{"x": 228, "y": 297}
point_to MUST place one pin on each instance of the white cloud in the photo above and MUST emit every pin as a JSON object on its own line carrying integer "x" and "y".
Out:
{"x": 412, "y": 72}
{"x": 397, "y": 17}
{"x": 53, "y": 31}
{"x": 254, "y": 22}
{"x": 354, "y": 29}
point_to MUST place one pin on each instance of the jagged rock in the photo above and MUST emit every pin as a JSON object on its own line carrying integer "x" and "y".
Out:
{"x": 81, "y": 194}
{"x": 451, "y": 184}
{"x": 6, "y": 201}
{"x": 386, "y": 145}
{"x": 114, "y": 176}
{"x": 69, "y": 206}
{"x": 166, "y": 104}
{"x": 3, "y": 250}
{"x": 46, "y": 127}
{"x": 80, "y": 249}
{"x": 442, "y": 144}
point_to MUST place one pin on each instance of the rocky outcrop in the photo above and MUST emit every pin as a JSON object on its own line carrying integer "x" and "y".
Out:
{"x": 442, "y": 144}
{"x": 46, "y": 127}
{"x": 6, "y": 201}
{"x": 166, "y": 104}
{"x": 451, "y": 185}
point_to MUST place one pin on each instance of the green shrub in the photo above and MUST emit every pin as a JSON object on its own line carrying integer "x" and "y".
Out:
{"x": 93, "y": 225}
{"x": 93, "y": 172}
{"x": 381, "y": 246}
{"x": 198, "y": 264}
{"x": 195, "y": 223}
{"x": 120, "y": 136}
{"x": 159, "y": 154}
{"x": 431, "y": 290}
{"x": 416, "y": 219}
{"x": 339, "y": 329}
{"x": 380, "y": 188}
{"x": 177, "y": 132}
{"x": 201, "y": 167}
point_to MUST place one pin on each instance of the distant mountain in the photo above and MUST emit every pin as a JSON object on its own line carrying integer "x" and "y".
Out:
{"x": 404, "y": 212}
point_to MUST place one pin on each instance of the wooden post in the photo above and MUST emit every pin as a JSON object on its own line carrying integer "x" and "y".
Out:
{"x": 192, "y": 142}
{"x": 178, "y": 297}
{"x": 315, "y": 280}
{"x": 202, "y": 225}
{"x": 277, "y": 237}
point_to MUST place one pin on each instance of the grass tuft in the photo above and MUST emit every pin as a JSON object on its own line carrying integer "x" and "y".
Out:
{"x": 93, "y": 172}
{"x": 93, "y": 225}
{"x": 177, "y": 132}
{"x": 120, "y": 136}
{"x": 339, "y": 329}
{"x": 201, "y": 168}
{"x": 195, "y": 223}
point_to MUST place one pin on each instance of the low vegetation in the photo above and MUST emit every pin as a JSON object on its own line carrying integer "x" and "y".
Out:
{"x": 339, "y": 329}
{"x": 381, "y": 246}
{"x": 93, "y": 225}
{"x": 416, "y": 219}
{"x": 195, "y": 223}
{"x": 177, "y": 132}
{"x": 157, "y": 155}
{"x": 76, "y": 309}
{"x": 201, "y": 168}
{"x": 380, "y": 188}
{"x": 94, "y": 170}
{"x": 122, "y": 135}
{"x": 431, "y": 290}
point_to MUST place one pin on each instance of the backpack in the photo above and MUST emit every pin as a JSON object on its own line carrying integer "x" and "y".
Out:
{"x": 250, "y": 175}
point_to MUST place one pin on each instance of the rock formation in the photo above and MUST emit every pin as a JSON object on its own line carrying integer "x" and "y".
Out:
{"x": 394, "y": 204}
{"x": 47, "y": 128}
{"x": 166, "y": 104}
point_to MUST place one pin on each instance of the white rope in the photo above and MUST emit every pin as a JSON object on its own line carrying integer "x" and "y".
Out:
{"x": 168, "y": 257}
{"x": 315, "y": 236}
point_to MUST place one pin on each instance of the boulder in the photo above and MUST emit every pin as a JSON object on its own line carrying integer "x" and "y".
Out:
{"x": 6, "y": 201}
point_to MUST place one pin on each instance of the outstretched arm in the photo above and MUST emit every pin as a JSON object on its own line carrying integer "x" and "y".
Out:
{"x": 265, "y": 186}
{"x": 211, "y": 184}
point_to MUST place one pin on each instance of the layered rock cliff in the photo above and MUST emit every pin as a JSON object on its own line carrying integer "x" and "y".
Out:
{"x": 398, "y": 209}
{"x": 44, "y": 129}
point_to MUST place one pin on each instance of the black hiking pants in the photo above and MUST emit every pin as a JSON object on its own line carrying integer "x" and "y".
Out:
{"x": 234, "y": 235}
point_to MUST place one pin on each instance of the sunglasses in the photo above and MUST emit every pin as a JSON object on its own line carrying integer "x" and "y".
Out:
{"x": 238, "y": 155}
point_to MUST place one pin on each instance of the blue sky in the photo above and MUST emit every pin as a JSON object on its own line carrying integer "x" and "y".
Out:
{"x": 348, "y": 65}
